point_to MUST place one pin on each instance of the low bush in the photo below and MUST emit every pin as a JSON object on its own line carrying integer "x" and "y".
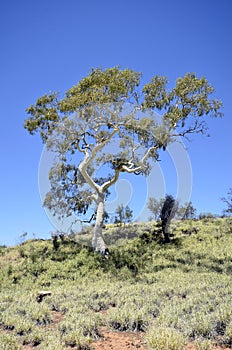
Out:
{"x": 165, "y": 339}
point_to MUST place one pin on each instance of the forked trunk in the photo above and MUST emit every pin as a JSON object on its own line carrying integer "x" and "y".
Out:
{"x": 98, "y": 243}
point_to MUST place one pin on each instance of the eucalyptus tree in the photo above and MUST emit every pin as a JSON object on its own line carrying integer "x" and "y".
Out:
{"x": 94, "y": 113}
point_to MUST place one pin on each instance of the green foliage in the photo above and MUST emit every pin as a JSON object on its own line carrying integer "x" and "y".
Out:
{"x": 107, "y": 106}
{"x": 100, "y": 87}
{"x": 129, "y": 318}
{"x": 9, "y": 342}
{"x": 156, "y": 95}
{"x": 187, "y": 211}
{"x": 203, "y": 344}
{"x": 189, "y": 97}
{"x": 43, "y": 115}
{"x": 155, "y": 206}
{"x": 80, "y": 329}
{"x": 123, "y": 214}
{"x": 175, "y": 293}
{"x": 165, "y": 339}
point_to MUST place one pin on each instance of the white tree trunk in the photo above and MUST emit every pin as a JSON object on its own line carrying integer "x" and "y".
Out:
{"x": 97, "y": 240}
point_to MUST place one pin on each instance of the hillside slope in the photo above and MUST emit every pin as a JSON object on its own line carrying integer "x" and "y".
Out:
{"x": 170, "y": 296}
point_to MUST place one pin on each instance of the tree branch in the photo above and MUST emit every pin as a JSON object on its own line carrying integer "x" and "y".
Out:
{"x": 89, "y": 159}
{"x": 111, "y": 182}
{"x": 196, "y": 128}
{"x": 139, "y": 168}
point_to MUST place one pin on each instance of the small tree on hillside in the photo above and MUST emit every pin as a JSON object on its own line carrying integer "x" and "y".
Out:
{"x": 155, "y": 206}
{"x": 124, "y": 214}
{"x": 187, "y": 211}
{"x": 228, "y": 201}
{"x": 93, "y": 114}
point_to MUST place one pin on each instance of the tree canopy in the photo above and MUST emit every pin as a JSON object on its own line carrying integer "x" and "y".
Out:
{"x": 105, "y": 106}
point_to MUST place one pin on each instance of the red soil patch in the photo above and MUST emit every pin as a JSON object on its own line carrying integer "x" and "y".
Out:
{"x": 129, "y": 341}
{"x": 57, "y": 317}
{"x": 119, "y": 341}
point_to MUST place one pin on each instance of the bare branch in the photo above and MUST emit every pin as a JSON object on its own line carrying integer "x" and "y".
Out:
{"x": 195, "y": 128}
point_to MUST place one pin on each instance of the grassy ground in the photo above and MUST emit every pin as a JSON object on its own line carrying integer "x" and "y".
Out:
{"x": 175, "y": 293}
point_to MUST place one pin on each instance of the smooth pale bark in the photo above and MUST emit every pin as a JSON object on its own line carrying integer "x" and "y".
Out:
{"x": 98, "y": 243}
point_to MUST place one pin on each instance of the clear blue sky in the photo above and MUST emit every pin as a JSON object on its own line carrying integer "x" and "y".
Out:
{"x": 50, "y": 45}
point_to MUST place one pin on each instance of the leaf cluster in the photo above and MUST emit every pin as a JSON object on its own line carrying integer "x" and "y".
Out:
{"x": 67, "y": 195}
{"x": 190, "y": 97}
{"x": 108, "y": 86}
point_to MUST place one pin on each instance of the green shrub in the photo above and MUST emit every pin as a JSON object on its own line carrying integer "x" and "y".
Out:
{"x": 129, "y": 318}
{"x": 9, "y": 342}
{"x": 165, "y": 339}
{"x": 34, "y": 338}
{"x": 73, "y": 339}
{"x": 80, "y": 325}
{"x": 203, "y": 344}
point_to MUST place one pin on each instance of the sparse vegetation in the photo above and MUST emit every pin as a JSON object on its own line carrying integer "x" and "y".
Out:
{"x": 174, "y": 293}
